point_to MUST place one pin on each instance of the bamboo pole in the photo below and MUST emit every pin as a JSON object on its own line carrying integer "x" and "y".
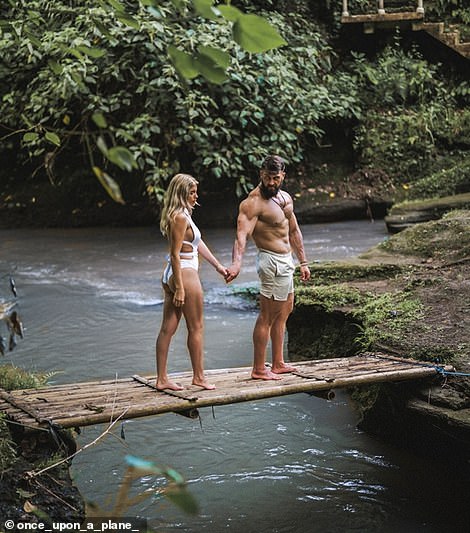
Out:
{"x": 267, "y": 391}
{"x": 137, "y": 397}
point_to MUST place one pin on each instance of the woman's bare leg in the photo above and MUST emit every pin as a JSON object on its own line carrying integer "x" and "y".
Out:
{"x": 194, "y": 315}
{"x": 170, "y": 321}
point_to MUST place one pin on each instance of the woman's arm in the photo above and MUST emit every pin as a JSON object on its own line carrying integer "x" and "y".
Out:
{"x": 210, "y": 258}
{"x": 176, "y": 235}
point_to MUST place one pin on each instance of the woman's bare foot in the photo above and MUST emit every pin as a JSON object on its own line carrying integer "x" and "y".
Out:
{"x": 168, "y": 385}
{"x": 283, "y": 369}
{"x": 204, "y": 385}
{"x": 266, "y": 374}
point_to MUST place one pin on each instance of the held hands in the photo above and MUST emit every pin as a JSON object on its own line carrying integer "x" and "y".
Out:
{"x": 223, "y": 271}
{"x": 232, "y": 272}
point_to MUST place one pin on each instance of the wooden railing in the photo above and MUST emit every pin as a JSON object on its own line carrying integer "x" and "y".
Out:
{"x": 381, "y": 7}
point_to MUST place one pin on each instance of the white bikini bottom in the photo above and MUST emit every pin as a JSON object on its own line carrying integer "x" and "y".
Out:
{"x": 186, "y": 262}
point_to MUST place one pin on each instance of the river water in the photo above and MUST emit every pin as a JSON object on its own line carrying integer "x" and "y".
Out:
{"x": 90, "y": 300}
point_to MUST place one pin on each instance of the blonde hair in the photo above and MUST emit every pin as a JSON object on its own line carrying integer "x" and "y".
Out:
{"x": 176, "y": 199}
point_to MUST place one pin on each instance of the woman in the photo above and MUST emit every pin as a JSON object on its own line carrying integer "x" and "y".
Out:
{"x": 181, "y": 283}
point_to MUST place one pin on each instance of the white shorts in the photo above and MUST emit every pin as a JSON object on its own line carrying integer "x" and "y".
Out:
{"x": 276, "y": 273}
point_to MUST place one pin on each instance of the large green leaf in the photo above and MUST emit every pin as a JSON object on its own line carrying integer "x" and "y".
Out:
{"x": 230, "y": 13}
{"x": 205, "y": 9}
{"x": 55, "y": 67}
{"x": 116, "y": 5}
{"x": 92, "y": 52}
{"x": 53, "y": 138}
{"x": 129, "y": 21}
{"x": 122, "y": 157}
{"x": 99, "y": 119}
{"x": 210, "y": 70}
{"x": 110, "y": 186}
{"x": 30, "y": 137}
{"x": 219, "y": 57}
{"x": 101, "y": 143}
{"x": 102, "y": 29}
{"x": 255, "y": 34}
{"x": 183, "y": 62}
{"x": 179, "y": 4}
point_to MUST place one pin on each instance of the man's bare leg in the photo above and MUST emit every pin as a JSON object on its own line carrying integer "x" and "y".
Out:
{"x": 278, "y": 330}
{"x": 261, "y": 335}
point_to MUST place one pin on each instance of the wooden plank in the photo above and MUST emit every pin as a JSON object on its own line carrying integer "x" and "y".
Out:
{"x": 97, "y": 402}
{"x": 386, "y": 17}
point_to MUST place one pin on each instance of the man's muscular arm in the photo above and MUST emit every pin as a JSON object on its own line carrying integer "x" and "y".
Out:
{"x": 246, "y": 223}
{"x": 297, "y": 244}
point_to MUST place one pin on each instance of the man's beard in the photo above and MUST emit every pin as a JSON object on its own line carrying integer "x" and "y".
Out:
{"x": 266, "y": 192}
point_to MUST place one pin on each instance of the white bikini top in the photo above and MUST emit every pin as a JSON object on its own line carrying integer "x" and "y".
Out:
{"x": 196, "y": 239}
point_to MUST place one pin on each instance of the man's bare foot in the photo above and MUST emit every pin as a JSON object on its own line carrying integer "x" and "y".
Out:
{"x": 168, "y": 385}
{"x": 204, "y": 385}
{"x": 265, "y": 374}
{"x": 283, "y": 369}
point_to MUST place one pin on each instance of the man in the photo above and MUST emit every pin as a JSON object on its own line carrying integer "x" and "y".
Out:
{"x": 267, "y": 216}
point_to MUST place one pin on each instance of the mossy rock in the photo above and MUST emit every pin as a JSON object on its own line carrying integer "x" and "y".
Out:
{"x": 406, "y": 214}
{"x": 408, "y": 296}
{"x": 447, "y": 239}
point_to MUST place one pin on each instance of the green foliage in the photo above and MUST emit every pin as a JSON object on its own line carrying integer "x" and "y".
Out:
{"x": 400, "y": 141}
{"x": 380, "y": 317}
{"x": 396, "y": 77}
{"x": 412, "y": 118}
{"x": 387, "y": 317}
{"x": 452, "y": 178}
{"x": 455, "y": 12}
{"x": 329, "y": 297}
{"x": 85, "y": 79}
{"x": 13, "y": 378}
{"x": 444, "y": 7}
{"x": 401, "y": 91}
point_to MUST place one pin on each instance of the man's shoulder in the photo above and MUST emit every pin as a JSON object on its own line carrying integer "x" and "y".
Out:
{"x": 252, "y": 201}
{"x": 285, "y": 195}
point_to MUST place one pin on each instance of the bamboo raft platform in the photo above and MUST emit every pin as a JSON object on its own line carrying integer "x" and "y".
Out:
{"x": 97, "y": 402}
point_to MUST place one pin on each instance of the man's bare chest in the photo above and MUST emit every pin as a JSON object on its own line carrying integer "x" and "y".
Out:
{"x": 273, "y": 214}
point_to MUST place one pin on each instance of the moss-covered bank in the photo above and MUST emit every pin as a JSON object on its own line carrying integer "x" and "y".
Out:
{"x": 409, "y": 296}
{"x": 32, "y": 489}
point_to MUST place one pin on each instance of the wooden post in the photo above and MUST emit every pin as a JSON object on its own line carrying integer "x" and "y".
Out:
{"x": 381, "y": 10}
{"x": 420, "y": 8}
{"x": 345, "y": 12}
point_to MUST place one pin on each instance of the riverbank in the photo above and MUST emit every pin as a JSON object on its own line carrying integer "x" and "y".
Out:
{"x": 39, "y": 204}
{"x": 410, "y": 297}
{"x": 32, "y": 489}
